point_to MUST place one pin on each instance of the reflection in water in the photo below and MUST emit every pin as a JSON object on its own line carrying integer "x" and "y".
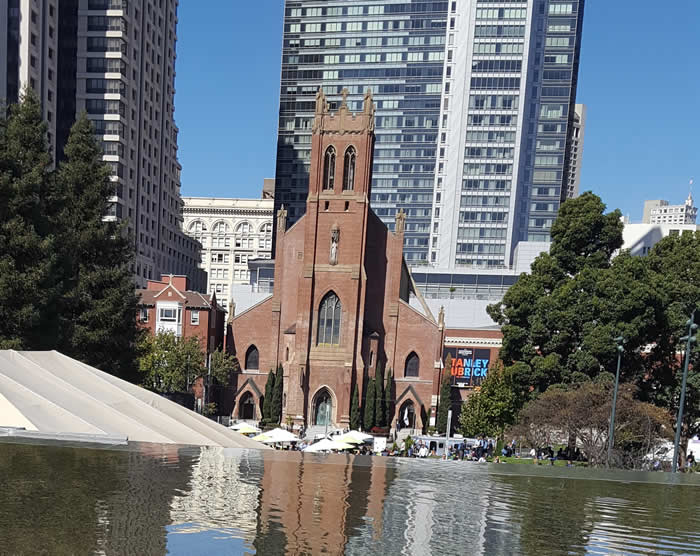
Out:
{"x": 149, "y": 499}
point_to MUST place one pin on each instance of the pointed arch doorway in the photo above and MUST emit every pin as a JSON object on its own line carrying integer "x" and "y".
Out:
{"x": 323, "y": 408}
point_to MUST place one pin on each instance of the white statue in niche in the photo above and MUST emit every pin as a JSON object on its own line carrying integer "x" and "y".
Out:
{"x": 335, "y": 239}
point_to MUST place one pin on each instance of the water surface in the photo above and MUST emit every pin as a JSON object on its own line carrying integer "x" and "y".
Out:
{"x": 157, "y": 499}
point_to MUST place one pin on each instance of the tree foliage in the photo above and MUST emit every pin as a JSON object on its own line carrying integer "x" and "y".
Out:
{"x": 583, "y": 411}
{"x": 389, "y": 397}
{"x": 269, "y": 393}
{"x": 380, "y": 403}
{"x": 168, "y": 363}
{"x": 99, "y": 303}
{"x": 277, "y": 394}
{"x": 559, "y": 322}
{"x": 445, "y": 401}
{"x": 355, "y": 420}
{"x": 65, "y": 281}
{"x": 369, "y": 406}
{"x": 490, "y": 410}
{"x": 29, "y": 281}
{"x": 223, "y": 366}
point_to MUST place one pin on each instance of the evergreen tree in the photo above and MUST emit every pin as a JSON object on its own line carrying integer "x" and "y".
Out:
{"x": 276, "y": 407}
{"x": 389, "y": 397}
{"x": 355, "y": 410}
{"x": 445, "y": 402}
{"x": 379, "y": 405}
{"x": 29, "y": 286}
{"x": 369, "y": 413}
{"x": 99, "y": 306}
{"x": 267, "y": 402}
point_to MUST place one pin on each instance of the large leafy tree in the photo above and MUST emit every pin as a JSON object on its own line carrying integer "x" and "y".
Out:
{"x": 29, "y": 282}
{"x": 99, "y": 305}
{"x": 223, "y": 366}
{"x": 491, "y": 409}
{"x": 675, "y": 266}
{"x": 560, "y": 321}
{"x": 168, "y": 363}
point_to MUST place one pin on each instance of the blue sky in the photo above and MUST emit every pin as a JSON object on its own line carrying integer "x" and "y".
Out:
{"x": 639, "y": 77}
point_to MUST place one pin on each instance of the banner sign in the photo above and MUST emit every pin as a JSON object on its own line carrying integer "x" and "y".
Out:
{"x": 469, "y": 365}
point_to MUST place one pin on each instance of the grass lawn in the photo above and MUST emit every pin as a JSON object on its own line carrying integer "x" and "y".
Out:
{"x": 557, "y": 463}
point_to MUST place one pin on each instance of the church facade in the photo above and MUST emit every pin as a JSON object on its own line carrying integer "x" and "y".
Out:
{"x": 344, "y": 300}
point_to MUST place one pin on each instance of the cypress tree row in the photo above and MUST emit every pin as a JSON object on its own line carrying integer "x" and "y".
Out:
{"x": 379, "y": 406}
{"x": 388, "y": 397}
{"x": 369, "y": 414}
{"x": 267, "y": 401}
{"x": 355, "y": 421}
{"x": 276, "y": 407}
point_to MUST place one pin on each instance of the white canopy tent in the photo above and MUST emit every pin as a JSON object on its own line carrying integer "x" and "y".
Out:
{"x": 276, "y": 436}
{"x": 327, "y": 445}
{"x": 51, "y": 394}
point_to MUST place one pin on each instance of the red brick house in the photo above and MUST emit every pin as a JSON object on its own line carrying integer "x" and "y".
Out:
{"x": 343, "y": 299}
{"x": 169, "y": 305}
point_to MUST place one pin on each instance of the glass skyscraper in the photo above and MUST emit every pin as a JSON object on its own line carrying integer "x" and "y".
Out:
{"x": 474, "y": 108}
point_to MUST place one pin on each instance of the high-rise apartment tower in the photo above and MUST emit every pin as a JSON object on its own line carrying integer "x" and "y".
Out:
{"x": 475, "y": 105}
{"x": 114, "y": 59}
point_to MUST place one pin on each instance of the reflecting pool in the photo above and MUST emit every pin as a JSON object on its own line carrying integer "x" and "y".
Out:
{"x": 158, "y": 499}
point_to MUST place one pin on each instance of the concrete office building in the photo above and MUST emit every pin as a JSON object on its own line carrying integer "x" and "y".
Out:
{"x": 232, "y": 233}
{"x": 116, "y": 60}
{"x": 661, "y": 212}
{"x": 474, "y": 114}
{"x": 575, "y": 148}
{"x": 29, "y": 54}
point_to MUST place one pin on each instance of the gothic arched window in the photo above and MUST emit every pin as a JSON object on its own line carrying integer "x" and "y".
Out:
{"x": 329, "y": 169}
{"x": 252, "y": 358}
{"x": 349, "y": 169}
{"x": 329, "y": 320}
{"x": 412, "y": 365}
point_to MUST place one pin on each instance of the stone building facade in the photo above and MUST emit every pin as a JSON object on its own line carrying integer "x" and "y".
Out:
{"x": 232, "y": 232}
{"x": 344, "y": 299}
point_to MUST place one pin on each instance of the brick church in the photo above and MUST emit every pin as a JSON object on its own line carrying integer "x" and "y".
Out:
{"x": 344, "y": 299}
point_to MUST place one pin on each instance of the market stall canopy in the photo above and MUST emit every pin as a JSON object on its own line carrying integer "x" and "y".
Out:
{"x": 327, "y": 445}
{"x": 50, "y": 395}
{"x": 244, "y": 428}
{"x": 354, "y": 437}
{"x": 276, "y": 435}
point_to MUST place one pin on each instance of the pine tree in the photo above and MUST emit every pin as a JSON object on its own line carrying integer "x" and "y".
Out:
{"x": 276, "y": 407}
{"x": 29, "y": 286}
{"x": 355, "y": 409}
{"x": 369, "y": 413}
{"x": 267, "y": 401}
{"x": 98, "y": 320}
{"x": 445, "y": 402}
{"x": 379, "y": 405}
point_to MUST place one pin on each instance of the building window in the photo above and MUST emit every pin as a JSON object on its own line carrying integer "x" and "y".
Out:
{"x": 349, "y": 169}
{"x": 412, "y": 365}
{"x": 143, "y": 315}
{"x": 169, "y": 314}
{"x": 252, "y": 359}
{"x": 329, "y": 320}
{"x": 329, "y": 169}
{"x": 194, "y": 317}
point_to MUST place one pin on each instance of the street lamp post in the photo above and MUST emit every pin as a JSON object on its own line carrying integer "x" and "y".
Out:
{"x": 611, "y": 433}
{"x": 689, "y": 340}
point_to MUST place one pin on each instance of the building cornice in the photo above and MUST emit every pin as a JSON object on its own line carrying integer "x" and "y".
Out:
{"x": 208, "y": 211}
{"x": 473, "y": 342}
